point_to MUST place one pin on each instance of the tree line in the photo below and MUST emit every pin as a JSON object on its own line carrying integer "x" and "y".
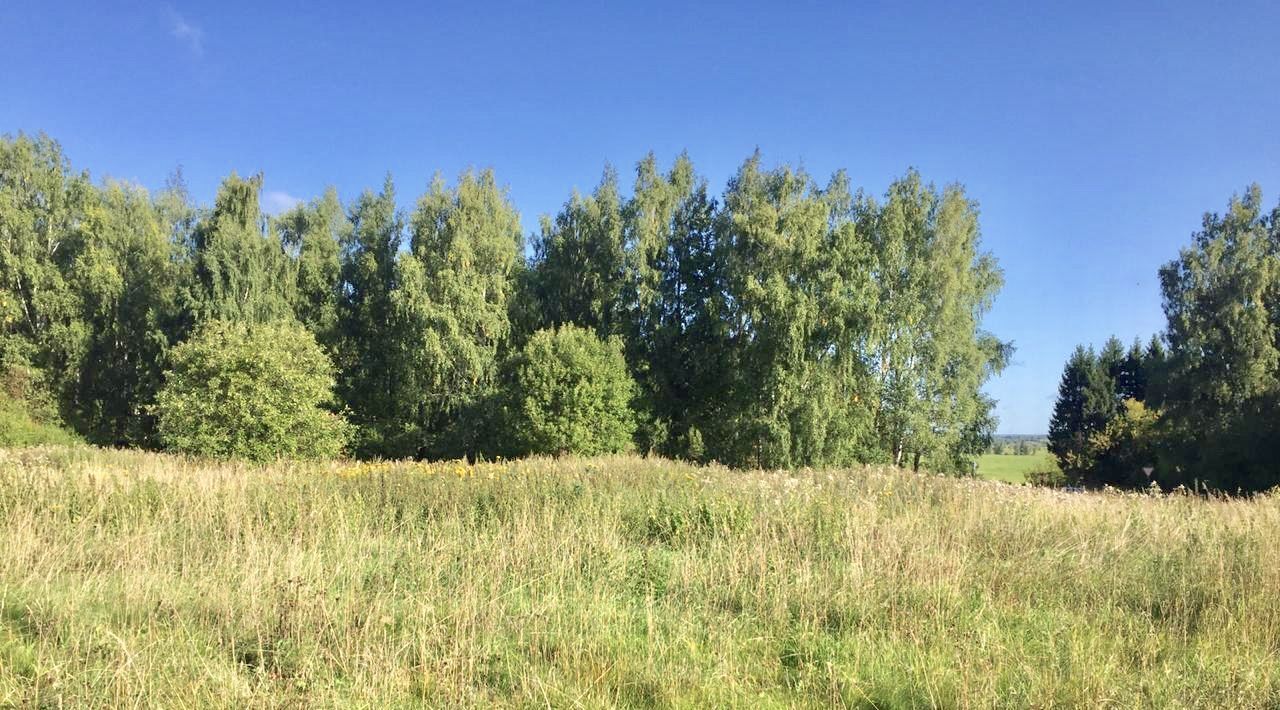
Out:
{"x": 780, "y": 323}
{"x": 1016, "y": 446}
{"x": 1199, "y": 405}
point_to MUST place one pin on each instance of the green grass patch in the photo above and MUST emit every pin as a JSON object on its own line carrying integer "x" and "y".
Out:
{"x": 143, "y": 580}
{"x": 1013, "y": 468}
{"x": 19, "y": 428}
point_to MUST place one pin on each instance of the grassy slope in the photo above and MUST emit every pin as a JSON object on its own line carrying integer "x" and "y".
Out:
{"x": 19, "y": 428}
{"x": 144, "y": 580}
{"x": 1012, "y": 468}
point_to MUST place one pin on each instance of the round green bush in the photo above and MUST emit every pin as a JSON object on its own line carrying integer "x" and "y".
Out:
{"x": 255, "y": 392}
{"x": 571, "y": 394}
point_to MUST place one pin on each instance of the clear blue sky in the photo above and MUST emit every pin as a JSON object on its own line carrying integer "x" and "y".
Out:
{"x": 1093, "y": 136}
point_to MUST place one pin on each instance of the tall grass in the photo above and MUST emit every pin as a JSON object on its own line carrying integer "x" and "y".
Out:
{"x": 140, "y": 580}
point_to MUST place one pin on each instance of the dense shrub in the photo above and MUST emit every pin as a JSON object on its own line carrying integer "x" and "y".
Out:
{"x": 28, "y": 417}
{"x": 570, "y": 393}
{"x": 255, "y": 392}
{"x": 18, "y": 426}
{"x": 1126, "y": 447}
{"x": 1048, "y": 477}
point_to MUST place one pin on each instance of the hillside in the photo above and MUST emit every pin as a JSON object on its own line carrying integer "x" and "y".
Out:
{"x": 155, "y": 581}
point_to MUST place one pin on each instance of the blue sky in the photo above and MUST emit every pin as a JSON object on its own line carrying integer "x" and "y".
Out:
{"x": 1093, "y": 135}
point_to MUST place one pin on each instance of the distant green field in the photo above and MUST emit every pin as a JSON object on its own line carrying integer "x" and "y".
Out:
{"x": 1012, "y": 468}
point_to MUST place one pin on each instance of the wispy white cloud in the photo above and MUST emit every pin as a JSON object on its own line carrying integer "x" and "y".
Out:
{"x": 274, "y": 202}
{"x": 186, "y": 33}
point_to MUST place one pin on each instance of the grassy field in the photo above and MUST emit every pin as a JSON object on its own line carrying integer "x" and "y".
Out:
{"x": 139, "y": 580}
{"x": 1012, "y": 468}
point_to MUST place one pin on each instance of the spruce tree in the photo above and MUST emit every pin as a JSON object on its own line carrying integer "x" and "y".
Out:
{"x": 1132, "y": 376}
{"x": 1154, "y": 366}
{"x": 675, "y": 284}
{"x": 1073, "y": 420}
{"x": 368, "y": 366}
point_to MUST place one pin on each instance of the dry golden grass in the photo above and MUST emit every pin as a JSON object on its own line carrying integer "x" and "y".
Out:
{"x": 139, "y": 580}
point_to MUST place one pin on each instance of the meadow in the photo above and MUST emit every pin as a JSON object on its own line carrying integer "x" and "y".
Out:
{"x": 1013, "y": 468}
{"x": 131, "y": 579}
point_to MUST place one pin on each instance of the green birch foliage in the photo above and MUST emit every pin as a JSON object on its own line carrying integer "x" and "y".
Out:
{"x": 926, "y": 348}
{"x": 960, "y": 355}
{"x": 452, "y": 308}
{"x": 1222, "y": 303}
{"x": 313, "y": 234}
{"x": 240, "y": 270}
{"x": 525, "y": 310}
{"x": 580, "y": 261}
{"x": 897, "y": 231}
{"x": 250, "y": 391}
{"x": 847, "y": 291}
{"x": 177, "y": 214}
{"x": 570, "y": 394}
{"x": 127, "y": 280}
{"x": 788, "y": 402}
{"x": 89, "y": 301}
{"x": 649, "y": 237}
{"x": 369, "y": 369}
{"x": 787, "y": 324}
{"x": 42, "y": 206}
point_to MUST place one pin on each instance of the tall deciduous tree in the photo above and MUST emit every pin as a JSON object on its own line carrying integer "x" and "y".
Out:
{"x": 791, "y": 396}
{"x": 928, "y": 354}
{"x": 787, "y": 324}
{"x": 42, "y": 205}
{"x": 452, "y": 310}
{"x": 959, "y": 356}
{"x": 313, "y": 235}
{"x": 240, "y": 271}
{"x": 579, "y": 261}
{"x": 1222, "y": 302}
{"x": 127, "y": 282}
